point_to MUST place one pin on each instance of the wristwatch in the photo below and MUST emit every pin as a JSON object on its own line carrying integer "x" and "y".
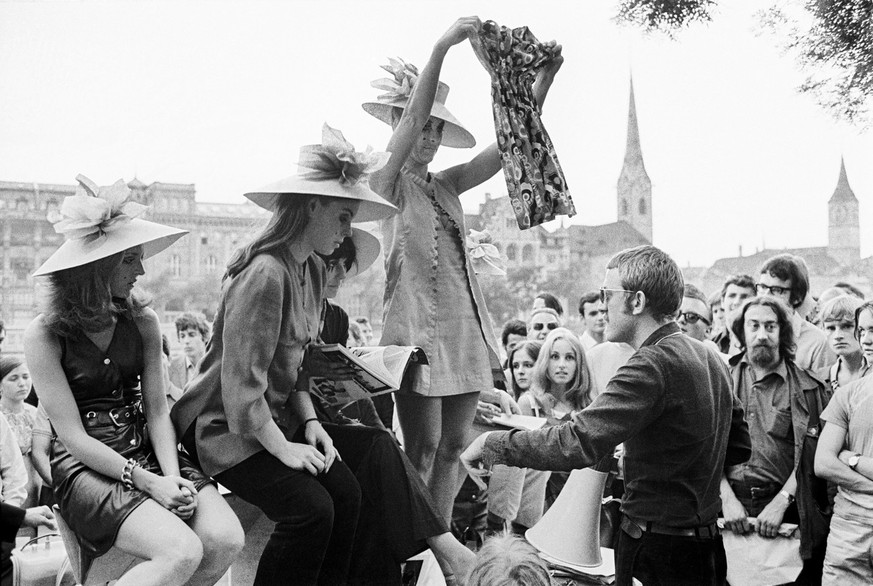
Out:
{"x": 853, "y": 461}
{"x": 788, "y": 496}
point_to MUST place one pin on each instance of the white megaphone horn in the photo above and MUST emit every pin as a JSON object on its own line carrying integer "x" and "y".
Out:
{"x": 569, "y": 532}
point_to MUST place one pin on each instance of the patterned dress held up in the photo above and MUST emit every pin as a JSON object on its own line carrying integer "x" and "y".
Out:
{"x": 106, "y": 388}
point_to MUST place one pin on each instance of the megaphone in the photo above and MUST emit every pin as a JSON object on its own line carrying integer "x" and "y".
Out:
{"x": 569, "y": 532}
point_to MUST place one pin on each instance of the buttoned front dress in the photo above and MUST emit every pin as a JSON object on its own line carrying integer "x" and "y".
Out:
{"x": 432, "y": 297}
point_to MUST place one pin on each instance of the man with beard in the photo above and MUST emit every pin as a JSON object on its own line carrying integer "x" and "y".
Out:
{"x": 671, "y": 405}
{"x": 780, "y": 401}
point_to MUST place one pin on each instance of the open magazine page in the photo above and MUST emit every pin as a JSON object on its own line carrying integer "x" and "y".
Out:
{"x": 373, "y": 375}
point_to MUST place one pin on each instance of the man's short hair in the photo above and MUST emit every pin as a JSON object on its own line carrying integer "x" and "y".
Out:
{"x": 840, "y": 309}
{"x": 651, "y": 270}
{"x": 551, "y": 302}
{"x": 847, "y": 287}
{"x": 513, "y": 326}
{"x": 193, "y": 320}
{"x": 789, "y": 267}
{"x": 361, "y": 319}
{"x": 693, "y": 292}
{"x": 590, "y": 297}
{"x": 783, "y": 317}
{"x": 165, "y": 345}
{"x": 743, "y": 281}
{"x": 507, "y": 559}
{"x": 547, "y": 310}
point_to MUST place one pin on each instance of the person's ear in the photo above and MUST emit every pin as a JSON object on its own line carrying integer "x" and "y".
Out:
{"x": 638, "y": 303}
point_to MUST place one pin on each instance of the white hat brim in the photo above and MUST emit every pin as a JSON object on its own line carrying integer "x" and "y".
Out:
{"x": 367, "y": 248}
{"x": 78, "y": 252}
{"x": 373, "y": 206}
{"x": 454, "y": 133}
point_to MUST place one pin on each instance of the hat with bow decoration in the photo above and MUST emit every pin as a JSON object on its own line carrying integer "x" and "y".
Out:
{"x": 398, "y": 88}
{"x": 98, "y": 222}
{"x": 332, "y": 169}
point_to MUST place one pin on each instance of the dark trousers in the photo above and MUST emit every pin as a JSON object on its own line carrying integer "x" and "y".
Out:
{"x": 316, "y": 518}
{"x": 665, "y": 560}
{"x": 397, "y": 514}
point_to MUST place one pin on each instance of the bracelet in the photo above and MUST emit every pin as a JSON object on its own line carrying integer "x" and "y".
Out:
{"x": 308, "y": 420}
{"x": 127, "y": 473}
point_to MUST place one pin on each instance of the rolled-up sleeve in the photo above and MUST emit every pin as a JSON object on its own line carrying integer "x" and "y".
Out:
{"x": 252, "y": 325}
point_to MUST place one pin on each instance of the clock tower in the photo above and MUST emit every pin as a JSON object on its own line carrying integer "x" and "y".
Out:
{"x": 844, "y": 230}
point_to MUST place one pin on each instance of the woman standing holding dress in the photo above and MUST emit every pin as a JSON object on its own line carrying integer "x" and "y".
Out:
{"x": 432, "y": 298}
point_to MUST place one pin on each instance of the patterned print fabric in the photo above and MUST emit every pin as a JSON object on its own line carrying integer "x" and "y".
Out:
{"x": 534, "y": 178}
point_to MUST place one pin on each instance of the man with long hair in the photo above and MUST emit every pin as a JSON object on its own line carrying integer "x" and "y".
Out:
{"x": 782, "y": 403}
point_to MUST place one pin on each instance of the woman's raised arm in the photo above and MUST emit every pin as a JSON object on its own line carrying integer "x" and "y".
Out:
{"x": 417, "y": 111}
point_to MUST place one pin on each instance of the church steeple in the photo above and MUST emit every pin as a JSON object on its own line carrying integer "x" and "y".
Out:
{"x": 844, "y": 228}
{"x": 634, "y": 185}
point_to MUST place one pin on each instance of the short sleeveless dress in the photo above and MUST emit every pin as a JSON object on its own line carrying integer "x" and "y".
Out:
{"x": 458, "y": 362}
{"x": 106, "y": 388}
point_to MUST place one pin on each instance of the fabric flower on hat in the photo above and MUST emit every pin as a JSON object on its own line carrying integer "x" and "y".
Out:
{"x": 483, "y": 254}
{"x": 94, "y": 210}
{"x": 336, "y": 159}
{"x": 405, "y": 75}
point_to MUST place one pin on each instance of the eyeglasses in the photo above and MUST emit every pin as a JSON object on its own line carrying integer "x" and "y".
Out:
{"x": 603, "y": 291}
{"x": 540, "y": 325}
{"x": 692, "y": 318}
{"x": 763, "y": 289}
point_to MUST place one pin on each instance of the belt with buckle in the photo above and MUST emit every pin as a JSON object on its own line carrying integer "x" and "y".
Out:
{"x": 636, "y": 528}
{"x": 118, "y": 417}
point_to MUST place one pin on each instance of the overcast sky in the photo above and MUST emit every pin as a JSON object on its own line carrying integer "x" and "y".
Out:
{"x": 222, "y": 94}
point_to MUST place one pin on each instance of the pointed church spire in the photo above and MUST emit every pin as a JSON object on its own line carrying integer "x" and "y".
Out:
{"x": 633, "y": 152}
{"x": 843, "y": 192}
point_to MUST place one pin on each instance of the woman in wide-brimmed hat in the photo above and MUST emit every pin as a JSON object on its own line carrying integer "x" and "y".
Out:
{"x": 243, "y": 416}
{"x": 433, "y": 299}
{"x": 95, "y": 356}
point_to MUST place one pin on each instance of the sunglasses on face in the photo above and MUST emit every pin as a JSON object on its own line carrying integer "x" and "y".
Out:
{"x": 692, "y": 318}
{"x": 603, "y": 291}
{"x": 763, "y": 289}
{"x": 540, "y": 325}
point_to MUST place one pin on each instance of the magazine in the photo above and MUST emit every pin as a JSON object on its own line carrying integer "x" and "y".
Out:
{"x": 525, "y": 422}
{"x": 378, "y": 370}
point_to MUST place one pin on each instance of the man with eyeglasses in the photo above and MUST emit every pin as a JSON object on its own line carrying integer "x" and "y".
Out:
{"x": 784, "y": 277}
{"x": 673, "y": 408}
{"x": 542, "y": 321}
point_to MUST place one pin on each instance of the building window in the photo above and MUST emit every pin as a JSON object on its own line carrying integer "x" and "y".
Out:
{"x": 204, "y": 239}
{"x": 211, "y": 264}
{"x": 510, "y": 222}
{"x": 21, "y": 268}
{"x": 527, "y": 254}
{"x": 21, "y": 205}
{"x": 643, "y": 211}
{"x": 51, "y": 206}
{"x": 510, "y": 252}
{"x": 624, "y": 207}
{"x": 176, "y": 265}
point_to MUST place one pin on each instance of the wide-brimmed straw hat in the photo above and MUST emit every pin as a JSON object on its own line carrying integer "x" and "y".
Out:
{"x": 98, "y": 222}
{"x": 397, "y": 96}
{"x": 367, "y": 248}
{"x": 332, "y": 169}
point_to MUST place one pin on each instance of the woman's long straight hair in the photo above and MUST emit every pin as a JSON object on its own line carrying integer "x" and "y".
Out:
{"x": 579, "y": 389}
{"x": 288, "y": 222}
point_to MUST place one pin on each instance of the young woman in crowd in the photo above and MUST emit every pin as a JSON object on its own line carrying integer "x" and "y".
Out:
{"x": 838, "y": 322}
{"x": 517, "y": 495}
{"x": 15, "y": 386}
{"x": 561, "y": 386}
{"x": 243, "y": 416}
{"x": 844, "y": 456}
{"x": 398, "y": 518}
{"x": 94, "y": 353}
{"x": 432, "y": 298}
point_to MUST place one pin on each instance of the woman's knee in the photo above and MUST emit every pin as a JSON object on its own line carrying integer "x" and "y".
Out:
{"x": 222, "y": 541}
{"x": 182, "y": 553}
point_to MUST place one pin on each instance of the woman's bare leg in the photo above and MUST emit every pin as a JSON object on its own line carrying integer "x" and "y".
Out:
{"x": 457, "y": 417}
{"x": 421, "y": 421}
{"x": 170, "y": 548}
{"x": 453, "y": 557}
{"x": 220, "y": 534}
